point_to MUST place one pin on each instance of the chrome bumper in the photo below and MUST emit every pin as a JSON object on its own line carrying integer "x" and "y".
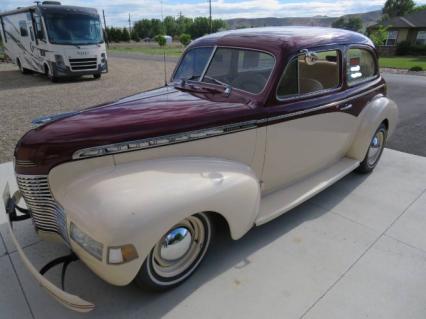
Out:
{"x": 70, "y": 301}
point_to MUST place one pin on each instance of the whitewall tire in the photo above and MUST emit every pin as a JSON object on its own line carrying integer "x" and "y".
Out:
{"x": 177, "y": 254}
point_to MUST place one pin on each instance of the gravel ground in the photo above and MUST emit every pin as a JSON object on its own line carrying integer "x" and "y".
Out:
{"x": 25, "y": 97}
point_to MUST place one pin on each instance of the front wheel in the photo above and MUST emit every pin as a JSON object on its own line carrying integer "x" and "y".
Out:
{"x": 374, "y": 152}
{"x": 177, "y": 254}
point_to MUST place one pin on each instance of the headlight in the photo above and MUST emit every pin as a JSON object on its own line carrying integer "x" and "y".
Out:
{"x": 103, "y": 57}
{"x": 59, "y": 59}
{"x": 86, "y": 242}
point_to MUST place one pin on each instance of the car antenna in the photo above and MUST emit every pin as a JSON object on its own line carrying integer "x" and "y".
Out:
{"x": 164, "y": 46}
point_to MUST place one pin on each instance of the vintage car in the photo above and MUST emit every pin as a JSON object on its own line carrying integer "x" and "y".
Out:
{"x": 253, "y": 123}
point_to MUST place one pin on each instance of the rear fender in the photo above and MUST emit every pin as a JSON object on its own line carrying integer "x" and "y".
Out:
{"x": 376, "y": 111}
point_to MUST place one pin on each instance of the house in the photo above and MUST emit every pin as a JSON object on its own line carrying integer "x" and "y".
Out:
{"x": 411, "y": 28}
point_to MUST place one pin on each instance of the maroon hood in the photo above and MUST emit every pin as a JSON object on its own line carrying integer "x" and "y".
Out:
{"x": 158, "y": 112}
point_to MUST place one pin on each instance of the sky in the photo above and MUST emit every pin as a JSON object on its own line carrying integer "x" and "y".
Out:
{"x": 117, "y": 11}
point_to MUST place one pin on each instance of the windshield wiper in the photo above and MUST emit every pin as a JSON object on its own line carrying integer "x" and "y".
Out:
{"x": 216, "y": 81}
{"x": 226, "y": 85}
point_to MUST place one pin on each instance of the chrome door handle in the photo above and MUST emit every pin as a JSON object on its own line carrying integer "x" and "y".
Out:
{"x": 345, "y": 107}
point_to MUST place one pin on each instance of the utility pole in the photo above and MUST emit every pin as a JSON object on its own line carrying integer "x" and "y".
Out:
{"x": 105, "y": 26}
{"x": 130, "y": 25}
{"x": 210, "y": 16}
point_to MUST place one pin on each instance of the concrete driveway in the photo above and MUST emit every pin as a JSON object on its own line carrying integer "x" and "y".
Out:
{"x": 358, "y": 250}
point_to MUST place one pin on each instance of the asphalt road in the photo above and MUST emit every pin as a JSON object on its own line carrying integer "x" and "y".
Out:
{"x": 409, "y": 92}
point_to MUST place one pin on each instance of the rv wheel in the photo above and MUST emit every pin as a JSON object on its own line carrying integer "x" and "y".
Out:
{"x": 50, "y": 76}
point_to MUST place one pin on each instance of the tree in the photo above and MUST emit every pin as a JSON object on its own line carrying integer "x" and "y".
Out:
{"x": 134, "y": 36}
{"x": 170, "y": 26}
{"x": 185, "y": 39}
{"x": 397, "y": 8}
{"x": 125, "y": 35}
{"x": 353, "y": 24}
{"x": 419, "y": 8}
{"x": 379, "y": 35}
{"x": 339, "y": 23}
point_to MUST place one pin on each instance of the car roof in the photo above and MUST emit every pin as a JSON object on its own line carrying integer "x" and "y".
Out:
{"x": 274, "y": 39}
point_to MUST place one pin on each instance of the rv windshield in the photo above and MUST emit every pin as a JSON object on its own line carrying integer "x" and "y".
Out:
{"x": 74, "y": 29}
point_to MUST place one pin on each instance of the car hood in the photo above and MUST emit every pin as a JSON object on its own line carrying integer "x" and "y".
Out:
{"x": 153, "y": 113}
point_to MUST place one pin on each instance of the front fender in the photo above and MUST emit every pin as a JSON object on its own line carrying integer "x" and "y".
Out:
{"x": 376, "y": 111}
{"x": 136, "y": 203}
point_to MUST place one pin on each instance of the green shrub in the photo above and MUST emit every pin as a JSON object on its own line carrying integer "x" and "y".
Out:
{"x": 416, "y": 68}
{"x": 185, "y": 39}
{"x": 403, "y": 48}
{"x": 418, "y": 49}
{"x": 161, "y": 40}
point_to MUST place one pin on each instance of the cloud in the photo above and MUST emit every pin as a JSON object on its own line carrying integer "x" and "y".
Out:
{"x": 117, "y": 12}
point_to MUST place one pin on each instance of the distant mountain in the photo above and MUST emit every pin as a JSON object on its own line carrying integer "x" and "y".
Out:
{"x": 368, "y": 18}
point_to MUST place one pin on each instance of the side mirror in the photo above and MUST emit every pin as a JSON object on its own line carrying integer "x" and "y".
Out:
{"x": 310, "y": 57}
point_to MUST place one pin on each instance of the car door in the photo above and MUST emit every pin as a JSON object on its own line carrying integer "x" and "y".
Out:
{"x": 310, "y": 126}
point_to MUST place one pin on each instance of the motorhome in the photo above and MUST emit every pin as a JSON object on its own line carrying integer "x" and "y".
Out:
{"x": 58, "y": 41}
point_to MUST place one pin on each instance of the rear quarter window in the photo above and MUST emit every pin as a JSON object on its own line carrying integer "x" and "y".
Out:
{"x": 360, "y": 66}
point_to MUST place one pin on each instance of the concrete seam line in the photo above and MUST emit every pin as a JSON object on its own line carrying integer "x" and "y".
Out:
{"x": 359, "y": 258}
{"x": 336, "y": 213}
{"x": 406, "y": 244}
{"x": 18, "y": 280}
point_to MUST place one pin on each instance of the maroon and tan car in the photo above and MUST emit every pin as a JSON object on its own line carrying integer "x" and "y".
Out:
{"x": 253, "y": 123}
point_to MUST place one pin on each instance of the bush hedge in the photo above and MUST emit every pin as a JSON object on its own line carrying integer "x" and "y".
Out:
{"x": 405, "y": 48}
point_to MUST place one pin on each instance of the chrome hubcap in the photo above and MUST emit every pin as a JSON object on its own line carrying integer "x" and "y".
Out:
{"x": 375, "y": 148}
{"x": 176, "y": 244}
{"x": 178, "y": 249}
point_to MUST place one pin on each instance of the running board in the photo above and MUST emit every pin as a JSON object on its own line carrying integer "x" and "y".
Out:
{"x": 281, "y": 201}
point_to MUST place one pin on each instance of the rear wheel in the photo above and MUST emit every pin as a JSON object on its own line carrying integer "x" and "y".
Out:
{"x": 374, "y": 152}
{"x": 177, "y": 254}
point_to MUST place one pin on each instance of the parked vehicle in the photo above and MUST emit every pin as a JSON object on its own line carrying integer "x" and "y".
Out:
{"x": 253, "y": 123}
{"x": 59, "y": 41}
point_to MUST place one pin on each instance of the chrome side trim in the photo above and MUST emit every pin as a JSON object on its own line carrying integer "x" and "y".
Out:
{"x": 164, "y": 140}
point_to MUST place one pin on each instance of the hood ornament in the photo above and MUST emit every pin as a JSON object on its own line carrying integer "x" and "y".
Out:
{"x": 50, "y": 118}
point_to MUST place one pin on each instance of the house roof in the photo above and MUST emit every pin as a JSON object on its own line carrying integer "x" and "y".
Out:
{"x": 412, "y": 20}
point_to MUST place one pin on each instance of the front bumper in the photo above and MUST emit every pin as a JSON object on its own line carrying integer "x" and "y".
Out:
{"x": 63, "y": 71}
{"x": 70, "y": 301}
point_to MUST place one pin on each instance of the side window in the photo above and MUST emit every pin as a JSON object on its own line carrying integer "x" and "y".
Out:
{"x": 360, "y": 66}
{"x": 23, "y": 28}
{"x": 301, "y": 78}
{"x": 39, "y": 28}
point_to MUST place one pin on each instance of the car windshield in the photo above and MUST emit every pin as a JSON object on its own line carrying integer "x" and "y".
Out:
{"x": 193, "y": 64}
{"x": 75, "y": 29}
{"x": 243, "y": 69}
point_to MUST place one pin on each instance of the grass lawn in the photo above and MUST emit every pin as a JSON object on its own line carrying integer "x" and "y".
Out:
{"x": 403, "y": 62}
{"x": 170, "y": 51}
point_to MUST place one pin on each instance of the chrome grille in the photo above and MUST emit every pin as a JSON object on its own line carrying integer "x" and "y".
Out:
{"x": 25, "y": 163}
{"x": 83, "y": 64}
{"x": 47, "y": 214}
